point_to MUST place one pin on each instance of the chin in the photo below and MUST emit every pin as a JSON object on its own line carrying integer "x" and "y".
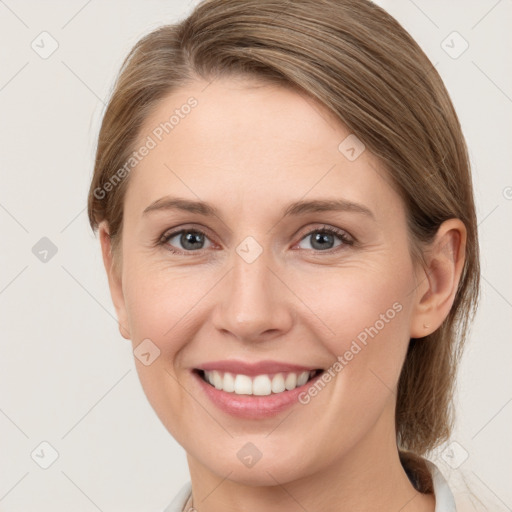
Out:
{"x": 255, "y": 461}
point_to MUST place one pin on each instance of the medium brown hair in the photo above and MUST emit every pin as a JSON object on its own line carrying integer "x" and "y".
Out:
{"x": 359, "y": 62}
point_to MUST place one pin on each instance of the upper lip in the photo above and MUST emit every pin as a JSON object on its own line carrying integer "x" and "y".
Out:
{"x": 254, "y": 368}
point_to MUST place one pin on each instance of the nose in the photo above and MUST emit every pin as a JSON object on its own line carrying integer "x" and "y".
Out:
{"x": 254, "y": 304}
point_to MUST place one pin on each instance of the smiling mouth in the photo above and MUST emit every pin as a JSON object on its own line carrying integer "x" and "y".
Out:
{"x": 260, "y": 385}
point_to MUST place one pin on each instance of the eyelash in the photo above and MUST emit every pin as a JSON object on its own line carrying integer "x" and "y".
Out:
{"x": 342, "y": 235}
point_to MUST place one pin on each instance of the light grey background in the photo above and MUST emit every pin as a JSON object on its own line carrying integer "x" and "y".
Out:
{"x": 67, "y": 376}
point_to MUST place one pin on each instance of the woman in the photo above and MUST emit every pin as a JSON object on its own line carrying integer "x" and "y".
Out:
{"x": 285, "y": 209}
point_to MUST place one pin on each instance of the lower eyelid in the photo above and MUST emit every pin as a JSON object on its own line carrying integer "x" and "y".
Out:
{"x": 165, "y": 238}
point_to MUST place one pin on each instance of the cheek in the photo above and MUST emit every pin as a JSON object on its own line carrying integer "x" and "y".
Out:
{"x": 365, "y": 314}
{"x": 357, "y": 299}
{"x": 368, "y": 318}
{"x": 160, "y": 303}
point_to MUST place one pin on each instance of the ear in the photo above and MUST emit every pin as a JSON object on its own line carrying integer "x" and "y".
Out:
{"x": 114, "y": 279}
{"x": 438, "y": 282}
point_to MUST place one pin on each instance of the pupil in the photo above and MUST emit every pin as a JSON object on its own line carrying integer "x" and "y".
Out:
{"x": 190, "y": 238}
{"x": 322, "y": 237}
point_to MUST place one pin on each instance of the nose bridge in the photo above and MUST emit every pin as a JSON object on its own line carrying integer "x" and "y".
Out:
{"x": 254, "y": 302}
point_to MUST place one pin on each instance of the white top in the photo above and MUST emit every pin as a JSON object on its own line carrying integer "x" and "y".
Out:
{"x": 444, "y": 497}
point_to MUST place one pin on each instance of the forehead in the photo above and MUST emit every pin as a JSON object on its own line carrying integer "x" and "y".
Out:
{"x": 241, "y": 139}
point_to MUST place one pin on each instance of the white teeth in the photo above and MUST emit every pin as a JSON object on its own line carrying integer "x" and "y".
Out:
{"x": 229, "y": 383}
{"x": 302, "y": 379}
{"x": 243, "y": 385}
{"x": 217, "y": 379}
{"x": 291, "y": 381}
{"x": 278, "y": 383}
{"x": 260, "y": 385}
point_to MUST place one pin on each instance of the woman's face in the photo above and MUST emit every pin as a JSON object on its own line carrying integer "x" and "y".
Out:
{"x": 257, "y": 288}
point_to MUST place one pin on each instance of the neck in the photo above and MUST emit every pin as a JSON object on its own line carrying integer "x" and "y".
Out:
{"x": 369, "y": 477}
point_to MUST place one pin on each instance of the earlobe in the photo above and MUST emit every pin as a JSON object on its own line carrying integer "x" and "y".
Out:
{"x": 114, "y": 279}
{"x": 439, "y": 282}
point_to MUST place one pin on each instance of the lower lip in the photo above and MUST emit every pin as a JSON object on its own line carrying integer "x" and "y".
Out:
{"x": 253, "y": 406}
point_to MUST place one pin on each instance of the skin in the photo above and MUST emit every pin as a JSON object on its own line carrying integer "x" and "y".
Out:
{"x": 250, "y": 150}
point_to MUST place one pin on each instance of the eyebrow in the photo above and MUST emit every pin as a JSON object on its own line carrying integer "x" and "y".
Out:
{"x": 293, "y": 209}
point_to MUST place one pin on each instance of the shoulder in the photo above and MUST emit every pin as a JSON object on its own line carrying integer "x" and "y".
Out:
{"x": 180, "y": 499}
{"x": 445, "y": 502}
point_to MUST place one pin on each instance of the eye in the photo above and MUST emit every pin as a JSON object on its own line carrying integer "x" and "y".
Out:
{"x": 189, "y": 240}
{"x": 322, "y": 239}
{"x": 195, "y": 240}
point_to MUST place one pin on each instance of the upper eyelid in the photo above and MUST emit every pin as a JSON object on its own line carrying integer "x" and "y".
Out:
{"x": 172, "y": 232}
